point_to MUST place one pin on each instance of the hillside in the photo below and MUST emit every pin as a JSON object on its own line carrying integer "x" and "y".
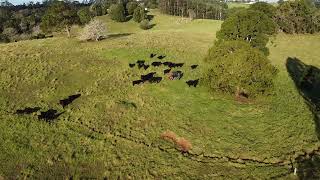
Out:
{"x": 113, "y": 130}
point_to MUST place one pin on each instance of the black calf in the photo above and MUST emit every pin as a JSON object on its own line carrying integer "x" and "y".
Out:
{"x": 137, "y": 82}
{"x": 161, "y": 57}
{"x": 156, "y": 64}
{"x": 155, "y": 80}
{"x": 193, "y": 83}
{"x": 152, "y": 55}
{"x": 179, "y": 64}
{"x": 131, "y": 65}
{"x": 166, "y": 71}
{"x": 147, "y": 77}
{"x": 194, "y": 66}
{"x": 141, "y": 61}
{"x": 146, "y": 67}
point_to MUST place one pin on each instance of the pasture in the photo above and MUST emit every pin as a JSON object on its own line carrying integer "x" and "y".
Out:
{"x": 113, "y": 129}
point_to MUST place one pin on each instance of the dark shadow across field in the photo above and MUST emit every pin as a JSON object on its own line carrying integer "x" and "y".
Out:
{"x": 307, "y": 81}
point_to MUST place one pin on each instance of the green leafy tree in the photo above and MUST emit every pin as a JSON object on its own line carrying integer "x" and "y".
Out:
{"x": 59, "y": 15}
{"x": 235, "y": 65}
{"x": 248, "y": 25}
{"x": 85, "y": 15}
{"x": 131, "y": 6}
{"x": 139, "y": 14}
{"x": 265, "y": 8}
{"x": 117, "y": 12}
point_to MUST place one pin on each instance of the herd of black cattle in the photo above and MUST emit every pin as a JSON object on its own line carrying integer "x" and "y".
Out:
{"x": 172, "y": 75}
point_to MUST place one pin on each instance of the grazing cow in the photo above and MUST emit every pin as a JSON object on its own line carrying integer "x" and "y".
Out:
{"x": 176, "y": 75}
{"x": 146, "y": 66}
{"x": 166, "y": 71}
{"x": 49, "y": 115}
{"x": 27, "y": 110}
{"x": 194, "y": 66}
{"x": 140, "y": 66}
{"x": 161, "y": 57}
{"x": 131, "y": 65}
{"x": 179, "y": 64}
{"x": 69, "y": 100}
{"x": 152, "y": 55}
{"x": 147, "y": 77}
{"x": 193, "y": 83}
{"x": 155, "y": 80}
{"x": 172, "y": 65}
{"x": 156, "y": 64}
{"x": 141, "y": 61}
{"x": 137, "y": 82}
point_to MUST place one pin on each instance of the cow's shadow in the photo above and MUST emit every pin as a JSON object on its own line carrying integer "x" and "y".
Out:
{"x": 307, "y": 81}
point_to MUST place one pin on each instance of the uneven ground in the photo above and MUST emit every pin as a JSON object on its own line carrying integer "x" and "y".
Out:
{"x": 113, "y": 130}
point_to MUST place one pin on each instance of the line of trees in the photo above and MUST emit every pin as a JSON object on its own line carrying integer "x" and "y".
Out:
{"x": 204, "y": 9}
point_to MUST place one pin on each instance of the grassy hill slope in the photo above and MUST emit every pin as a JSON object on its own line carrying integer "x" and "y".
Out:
{"x": 113, "y": 130}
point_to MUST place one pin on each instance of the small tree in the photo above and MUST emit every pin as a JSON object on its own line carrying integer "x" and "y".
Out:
{"x": 59, "y": 15}
{"x": 139, "y": 14}
{"x": 117, "y": 12}
{"x": 131, "y": 6}
{"x": 95, "y": 30}
{"x": 235, "y": 66}
{"x": 85, "y": 15}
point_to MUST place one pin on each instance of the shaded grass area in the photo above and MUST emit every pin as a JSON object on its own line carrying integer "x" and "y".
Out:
{"x": 113, "y": 130}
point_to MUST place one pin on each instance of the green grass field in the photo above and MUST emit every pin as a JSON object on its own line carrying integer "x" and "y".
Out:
{"x": 113, "y": 130}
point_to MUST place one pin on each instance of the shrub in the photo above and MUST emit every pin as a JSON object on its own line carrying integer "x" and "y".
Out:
{"x": 184, "y": 145}
{"x": 95, "y": 30}
{"x": 251, "y": 26}
{"x": 170, "y": 136}
{"x": 4, "y": 38}
{"x": 139, "y": 14}
{"x": 131, "y": 6}
{"x": 235, "y": 65}
{"x": 85, "y": 15}
{"x": 117, "y": 12}
{"x": 145, "y": 24}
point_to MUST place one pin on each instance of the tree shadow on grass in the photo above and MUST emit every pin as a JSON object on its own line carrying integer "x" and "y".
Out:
{"x": 113, "y": 36}
{"x": 307, "y": 81}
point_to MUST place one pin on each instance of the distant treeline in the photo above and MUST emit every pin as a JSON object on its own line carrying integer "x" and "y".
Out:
{"x": 204, "y": 9}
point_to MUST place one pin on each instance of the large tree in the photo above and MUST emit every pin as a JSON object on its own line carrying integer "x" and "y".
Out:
{"x": 248, "y": 25}
{"x": 59, "y": 15}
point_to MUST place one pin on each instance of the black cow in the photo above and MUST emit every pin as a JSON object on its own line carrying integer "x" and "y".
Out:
{"x": 172, "y": 65}
{"x": 141, "y": 65}
{"x": 49, "y": 115}
{"x": 166, "y": 71}
{"x": 147, "y": 77}
{"x": 131, "y": 65}
{"x": 179, "y": 64}
{"x": 161, "y": 57}
{"x": 194, "y": 66}
{"x": 155, "y": 80}
{"x": 152, "y": 55}
{"x": 167, "y": 63}
{"x": 146, "y": 66}
{"x": 137, "y": 82}
{"x": 69, "y": 100}
{"x": 193, "y": 83}
{"x": 156, "y": 64}
{"x": 141, "y": 61}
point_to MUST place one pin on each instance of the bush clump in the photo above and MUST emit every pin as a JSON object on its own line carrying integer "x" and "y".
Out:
{"x": 95, "y": 31}
{"x": 117, "y": 12}
{"x": 131, "y": 6}
{"x": 139, "y": 14}
{"x": 235, "y": 67}
{"x": 145, "y": 24}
